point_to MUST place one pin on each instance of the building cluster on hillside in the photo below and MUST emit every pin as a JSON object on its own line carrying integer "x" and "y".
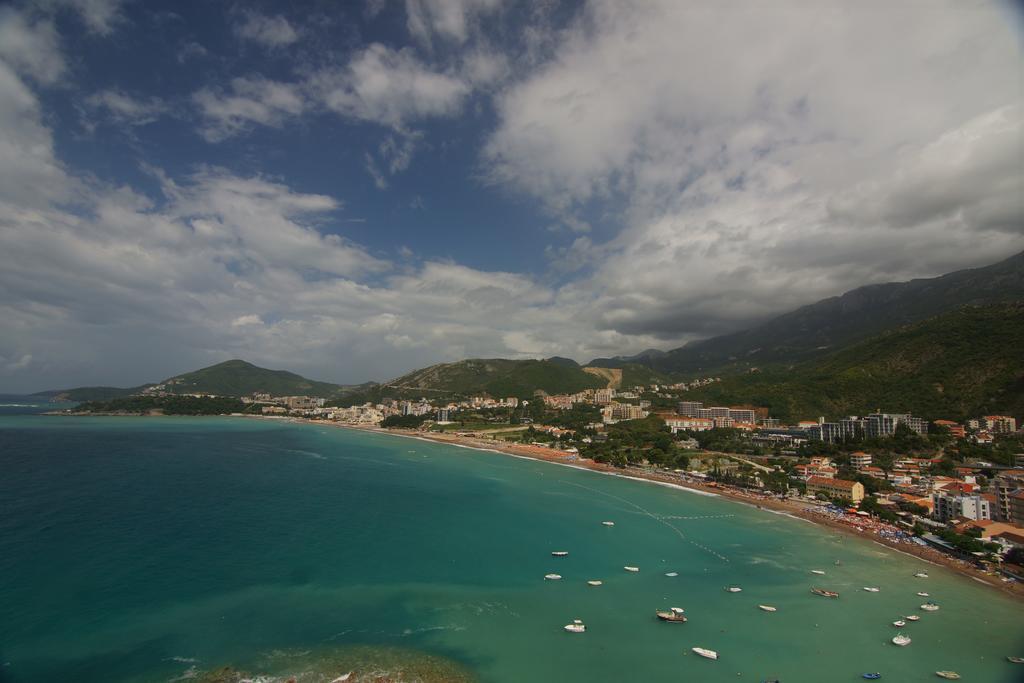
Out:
{"x": 694, "y": 416}
{"x": 873, "y": 425}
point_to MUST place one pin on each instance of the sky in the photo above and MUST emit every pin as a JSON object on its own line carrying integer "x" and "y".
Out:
{"x": 354, "y": 190}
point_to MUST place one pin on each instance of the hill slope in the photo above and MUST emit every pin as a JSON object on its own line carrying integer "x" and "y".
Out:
{"x": 961, "y": 364}
{"x": 230, "y": 378}
{"x": 825, "y": 326}
{"x": 240, "y": 378}
{"x": 497, "y": 377}
{"x": 92, "y": 393}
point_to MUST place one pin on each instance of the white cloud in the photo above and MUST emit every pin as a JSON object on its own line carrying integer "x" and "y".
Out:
{"x": 252, "y": 100}
{"x": 243, "y": 320}
{"x": 269, "y": 31}
{"x": 29, "y": 172}
{"x": 752, "y": 164}
{"x": 30, "y": 46}
{"x": 449, "y": 19}
{"x": 191, "y": 50}
{"x": 757, "y": 165}
{"x": 394, "y": 154}
{"x": 99, "y": 16}
{"x": 124, "y": 109}
{"x": 389, "y": 87}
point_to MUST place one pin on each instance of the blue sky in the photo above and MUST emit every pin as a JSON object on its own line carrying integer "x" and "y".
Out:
{"x": 353, "y": 190}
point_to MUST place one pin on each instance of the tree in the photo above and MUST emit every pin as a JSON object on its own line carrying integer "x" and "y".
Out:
{"x": 403, "y": 421}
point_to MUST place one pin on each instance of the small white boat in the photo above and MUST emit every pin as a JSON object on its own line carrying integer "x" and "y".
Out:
{"x": 1015, "y": 660}
{"x": 922, "y": 594}
{"x": 921, "y": 575}
{"x": 342, "y": 678}
{"x": 552, "y": 577}
{"x": 901, "y": 640}
{"x": 560, "y": 553}
{"x": 768, "y": 608}
{"x": 948, "y": 675}
{"x": 672, "y": 574}
{"x": 913, "y": 617}
{"x": 675, "y": 614}
{"x": 870, "y": 589}
{"x": 575, "y": 627}
{"x": 594, "y": 582}
{"x": 733, "y": 589}
{"x": 631, "y": 569}
{"x": 608, "y": 523}
{"x": 930, "y": 607}
{"x": 818, "y": 571}
{"x": 899, "y": 623}
{"x": 704, "y": 652}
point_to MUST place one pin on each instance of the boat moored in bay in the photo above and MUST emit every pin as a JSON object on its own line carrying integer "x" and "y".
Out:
{"x": 575, "y": 627}
{"x": 673, "y": 614}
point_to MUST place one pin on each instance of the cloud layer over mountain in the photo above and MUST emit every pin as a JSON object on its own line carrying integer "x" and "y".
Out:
{"x": 699, "y": 166}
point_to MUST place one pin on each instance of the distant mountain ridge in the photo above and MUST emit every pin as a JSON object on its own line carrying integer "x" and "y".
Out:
{"x": 823, "y": 327}
{"x": 498, "y": 377}
{"x": 814, "y": 331}
{"x": 960, "y": 364}
{"x": 230, "y": 378}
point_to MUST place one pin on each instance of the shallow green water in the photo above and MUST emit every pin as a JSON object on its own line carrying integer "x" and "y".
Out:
{"x": 137, "y": 549}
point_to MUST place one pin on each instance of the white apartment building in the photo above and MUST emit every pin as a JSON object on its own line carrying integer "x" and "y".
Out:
{"x": 958, "y": 506}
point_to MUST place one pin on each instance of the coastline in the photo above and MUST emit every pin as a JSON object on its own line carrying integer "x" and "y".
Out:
{"x": 794, "y": 509}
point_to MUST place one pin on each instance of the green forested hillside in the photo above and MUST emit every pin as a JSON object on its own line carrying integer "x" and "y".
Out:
{"x": 497, "y": 377}
{"x": 93, "y": 393}
{"x": 960, "y": 364}
{"x": 634, "y": 374}
{"x": 832, "y": 324}
{"x": 230, "y": 378}
{"x": 239, "y": 378}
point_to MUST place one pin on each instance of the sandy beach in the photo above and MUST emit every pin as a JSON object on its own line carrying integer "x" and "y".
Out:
{"x": 860, "y": 527}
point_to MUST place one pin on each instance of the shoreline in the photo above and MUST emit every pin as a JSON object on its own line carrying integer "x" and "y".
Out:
{"x": 793, "y": 509}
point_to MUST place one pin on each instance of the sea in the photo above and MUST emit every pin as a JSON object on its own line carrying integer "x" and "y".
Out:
{"x": 227, "y": 549}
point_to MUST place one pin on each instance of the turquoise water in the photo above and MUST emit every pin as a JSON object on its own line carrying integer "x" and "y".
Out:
{"x": 147, "y": 549}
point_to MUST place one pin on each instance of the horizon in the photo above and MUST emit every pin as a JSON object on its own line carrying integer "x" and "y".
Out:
{"x": 353, "y": 193}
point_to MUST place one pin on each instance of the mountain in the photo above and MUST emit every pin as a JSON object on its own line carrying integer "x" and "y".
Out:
{"x": 956, "y": 365}
{"x": 92, "y": 393}
{"x": 649, "y": 355}
{"x": 239, "y": 378}
{"x": 230, "y": 378}
{"x": 824, "y": 327}
{"x": 497, "y": 377}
